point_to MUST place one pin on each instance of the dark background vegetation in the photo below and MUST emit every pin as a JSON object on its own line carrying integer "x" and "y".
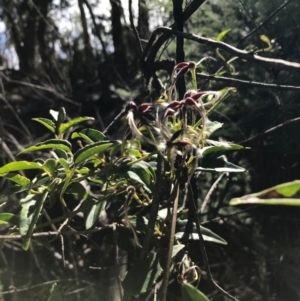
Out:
{"x": 92, "y": 69}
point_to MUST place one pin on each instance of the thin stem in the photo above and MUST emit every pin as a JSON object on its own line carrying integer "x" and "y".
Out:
{"x": 154, "y": 207}
{"x": 164, "y": 287}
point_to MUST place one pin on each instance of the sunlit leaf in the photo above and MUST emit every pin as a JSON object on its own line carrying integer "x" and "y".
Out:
{"x": 59, "y": 153}
{"x": 94, "y": 214}
{"x": 54, "y": 114}
{"x": 190, "y": 293}
{"x": 218, "y": 148}
{"x": 211, "y": 127}
{"x": 66, "y": 125}
{"x": 19, "y": 165}
{"x": 177, "y": 249}
{"x": 142, "y": 276}
{"x": 265, "y": 39}
{"x": 90, "y": 150}
{"x": 82, "y": 136}
{"x": 145, "y": 172}
{"x": 16, "y": 178}
{"x": 50, "y": 166}
{"x": 32, "y": 205}
{"x": 287, "y": 194}
{"x": 49, "y": 124}
{"x": 49, "y": 144}
{"x": 221, "y": 169}
{"x": 222, "y": 34}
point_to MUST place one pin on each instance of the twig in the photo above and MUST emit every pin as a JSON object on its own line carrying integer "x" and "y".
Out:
{"x": 3, "y": 97}
{"x": 277, "y": 10}
{"x": 96, "y": 27}
{"x": 211, "y": 190}
{"x": 133, "y": 27}
{"x": 153, "y": 45}
{"x": 250, "y": 56}
{"x": 55, "y": 233}
{"x": 117, "y": 118}
{"x": 203, "y": 251}
{"x": 271, "y": 130}
{"x": 254, "y": 30}
{"x": 177, "y": 12}
{"x": 51, "y": 90}
{"x": 249, "y": 83}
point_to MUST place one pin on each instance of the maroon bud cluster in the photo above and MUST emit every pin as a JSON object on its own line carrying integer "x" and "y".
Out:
{"x": 142, "y": 112}
{"x": 184, "y": 67}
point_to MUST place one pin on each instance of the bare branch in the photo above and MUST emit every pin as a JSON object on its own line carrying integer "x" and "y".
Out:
{"x": 248, "y": 83}
{"x": 249, "y": 56}
{"x": 133, "y": 27}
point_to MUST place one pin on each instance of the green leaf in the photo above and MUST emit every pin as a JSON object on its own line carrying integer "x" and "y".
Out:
{"x": 138, "y": 222}
{"x": 19, "y": 165}
{"x": 64, "y": 163}
{"x": 65, "y": 126}
{"x": 94, "y": 214}
{"x": 90, "y": 150}
{"x": 61, "y": 116}
{"x": 94, "y": 135}
{"x": 32, "y": 205}
{"x": 8, "y": 218}
{"x": 49, "y": 144}
{"x": 49, "y": 124}
{"x": 59, "y": 153}
{"x": 142, "y": 276}
{"x": 82, "y": 136}
{"x": 184, "y": 227}
{"x": 50, "y": 166}
{"x": 54, "y": 293}
{"x": 190, "y": 293}
{"x": 144, "y": 171}
{"x": 222, "y": 34}
{"x": 211, "y": 127}
{"x": 229, "y": 167}
{"x": 219, "y": 148}
{"x": 16, "y": 178}
{"x": 287, "y": 194}
{"x": 135, "y": 178}
{"x": 177, "y": 249}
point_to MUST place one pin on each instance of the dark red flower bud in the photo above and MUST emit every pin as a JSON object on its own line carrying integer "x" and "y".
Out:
{"x": 190, "y": 102}
{"x": 183, "y": 71}
{"x": 181, "y": 143}
{"x": 145, "y": 107}
{"x": 169, "y": 112}
{"x": 181, "y": 65}
{"x": 197, "y": 95}
{"x": 131, "y": 106}
{"x": 174, "y": 105}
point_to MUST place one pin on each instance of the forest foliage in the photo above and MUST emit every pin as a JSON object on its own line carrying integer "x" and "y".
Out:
{"x": 193, "y": 108}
